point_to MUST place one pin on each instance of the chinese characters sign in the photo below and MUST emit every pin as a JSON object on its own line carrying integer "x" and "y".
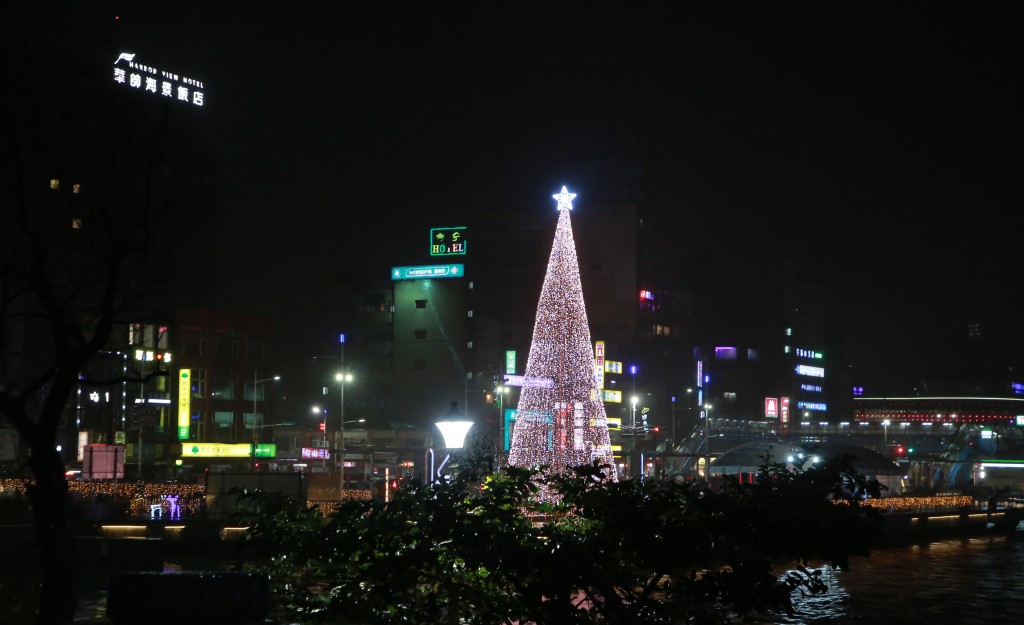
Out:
{"x": 448, "y": 241}
{"x": 132, "y": 74}
{"x": 184, "y": 403}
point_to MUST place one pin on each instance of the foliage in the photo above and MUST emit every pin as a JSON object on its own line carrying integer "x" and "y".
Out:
{"x": 480, "y": 549}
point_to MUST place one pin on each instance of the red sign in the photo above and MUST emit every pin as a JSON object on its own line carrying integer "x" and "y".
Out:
{"x": 771, "y": 407}
{"x": 785, "y": 410}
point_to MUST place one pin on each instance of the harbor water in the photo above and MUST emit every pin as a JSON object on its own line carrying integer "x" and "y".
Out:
{"x": 977, "y": 581}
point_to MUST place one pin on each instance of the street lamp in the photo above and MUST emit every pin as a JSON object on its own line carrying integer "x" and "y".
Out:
{"x": 342, "y": 378}
{"x": 454, "y": 427}
{"x": 632, "y": 431}
{"x": 256, "y": 383}
{"x": 885, "y": 435}
{"x": 323, "y": 427}
{"x": 673, "y": 422}
{"x": 342, "y": 452}
{"x": 256, "y": 428}
{"x": 502, "y": 391}
{"x": 707, "y": 441}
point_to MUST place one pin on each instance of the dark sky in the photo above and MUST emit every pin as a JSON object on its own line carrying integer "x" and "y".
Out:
{"x": 883, "y": 139}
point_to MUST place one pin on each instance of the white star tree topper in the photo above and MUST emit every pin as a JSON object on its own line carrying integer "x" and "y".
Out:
{"x": 564, "y": 199}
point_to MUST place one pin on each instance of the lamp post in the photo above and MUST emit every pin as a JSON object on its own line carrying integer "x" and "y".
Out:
{"x": 673, "y": 422}
{"x": 502, "y": 391}
{"x": 323, "y": 428}
{"x": 632, "y": 431}
{"x": 255, "y": 394}
{"x": 342, "y": 378}
{"x": 454, "y": 427}
{"x": 256, "y": 439}
{"x": 707, "y": 441}
{"x": 885, "y": 435}
{"x": 453, "y": 432}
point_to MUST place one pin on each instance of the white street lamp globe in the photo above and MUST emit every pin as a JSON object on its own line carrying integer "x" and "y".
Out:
{"x": 454, "y": 432}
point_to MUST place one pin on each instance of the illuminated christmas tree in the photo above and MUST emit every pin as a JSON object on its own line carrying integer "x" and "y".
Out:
{"x": 561, "y": 421}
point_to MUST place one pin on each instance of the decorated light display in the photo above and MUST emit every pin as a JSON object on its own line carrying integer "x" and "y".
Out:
{"x": 562, "y": 424}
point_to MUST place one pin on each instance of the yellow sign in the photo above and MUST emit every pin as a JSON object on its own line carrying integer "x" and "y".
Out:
{"x": 612, "y": 397}
{"x": 216, "y": 450}
{"x": 184, "y": 403}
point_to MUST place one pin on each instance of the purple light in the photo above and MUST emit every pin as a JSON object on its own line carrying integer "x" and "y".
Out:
{"x": 632, "y": 369}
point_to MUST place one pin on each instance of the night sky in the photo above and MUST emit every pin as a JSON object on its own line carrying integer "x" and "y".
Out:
{"x": 882, "y": 140}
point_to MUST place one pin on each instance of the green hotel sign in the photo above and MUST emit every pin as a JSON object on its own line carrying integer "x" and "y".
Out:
{"x": 427, "y": 271}
{"x": 448, "y": 241}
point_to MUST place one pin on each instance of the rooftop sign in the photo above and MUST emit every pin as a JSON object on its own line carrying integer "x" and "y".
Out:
{"x": 448, "y": 241}
{"x": 427, "y": 271}
{"x": 129, "y": 72}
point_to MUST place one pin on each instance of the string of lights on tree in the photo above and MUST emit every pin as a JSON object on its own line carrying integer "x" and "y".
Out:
{"x": 561, "y": 420}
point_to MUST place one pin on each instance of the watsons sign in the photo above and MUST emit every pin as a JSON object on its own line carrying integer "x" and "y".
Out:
{"x": 135, "y": 75}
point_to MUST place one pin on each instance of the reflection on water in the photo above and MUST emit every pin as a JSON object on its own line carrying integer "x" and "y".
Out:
{"x": 970, "y": 582}
{"x": 973, "y": 582}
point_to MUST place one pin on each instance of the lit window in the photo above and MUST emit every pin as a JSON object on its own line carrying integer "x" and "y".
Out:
{"x": 76, "y": 188}
{"x": 469, "y": 313}
{"x": 54, "y": 184}
{"x": 789, "y": 331}
{"x": 76, "y": 224}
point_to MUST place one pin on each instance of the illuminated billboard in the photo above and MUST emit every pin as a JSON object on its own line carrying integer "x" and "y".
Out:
{"x": 814, "y": 372}
{"x": 448, "y": 241}
{"x": 184, "y": 403}
{"x": 771, "y": 408}
{"x": 522, "y": 380}
{"x": 427, "y": 271}
{"x": 132, "y": 74}
{"x": 227, "y": 450}
{"x": 599, "y": 362}
{"x": 611, "y": 397}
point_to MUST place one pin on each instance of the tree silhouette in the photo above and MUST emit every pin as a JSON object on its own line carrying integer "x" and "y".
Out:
{"x": 87, "y": 182}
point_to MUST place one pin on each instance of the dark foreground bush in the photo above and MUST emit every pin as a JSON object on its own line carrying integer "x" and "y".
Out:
{"x": 486, "y": 550}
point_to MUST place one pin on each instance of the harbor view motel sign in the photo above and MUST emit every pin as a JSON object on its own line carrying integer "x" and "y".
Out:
{"x": 135, "y": 75}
